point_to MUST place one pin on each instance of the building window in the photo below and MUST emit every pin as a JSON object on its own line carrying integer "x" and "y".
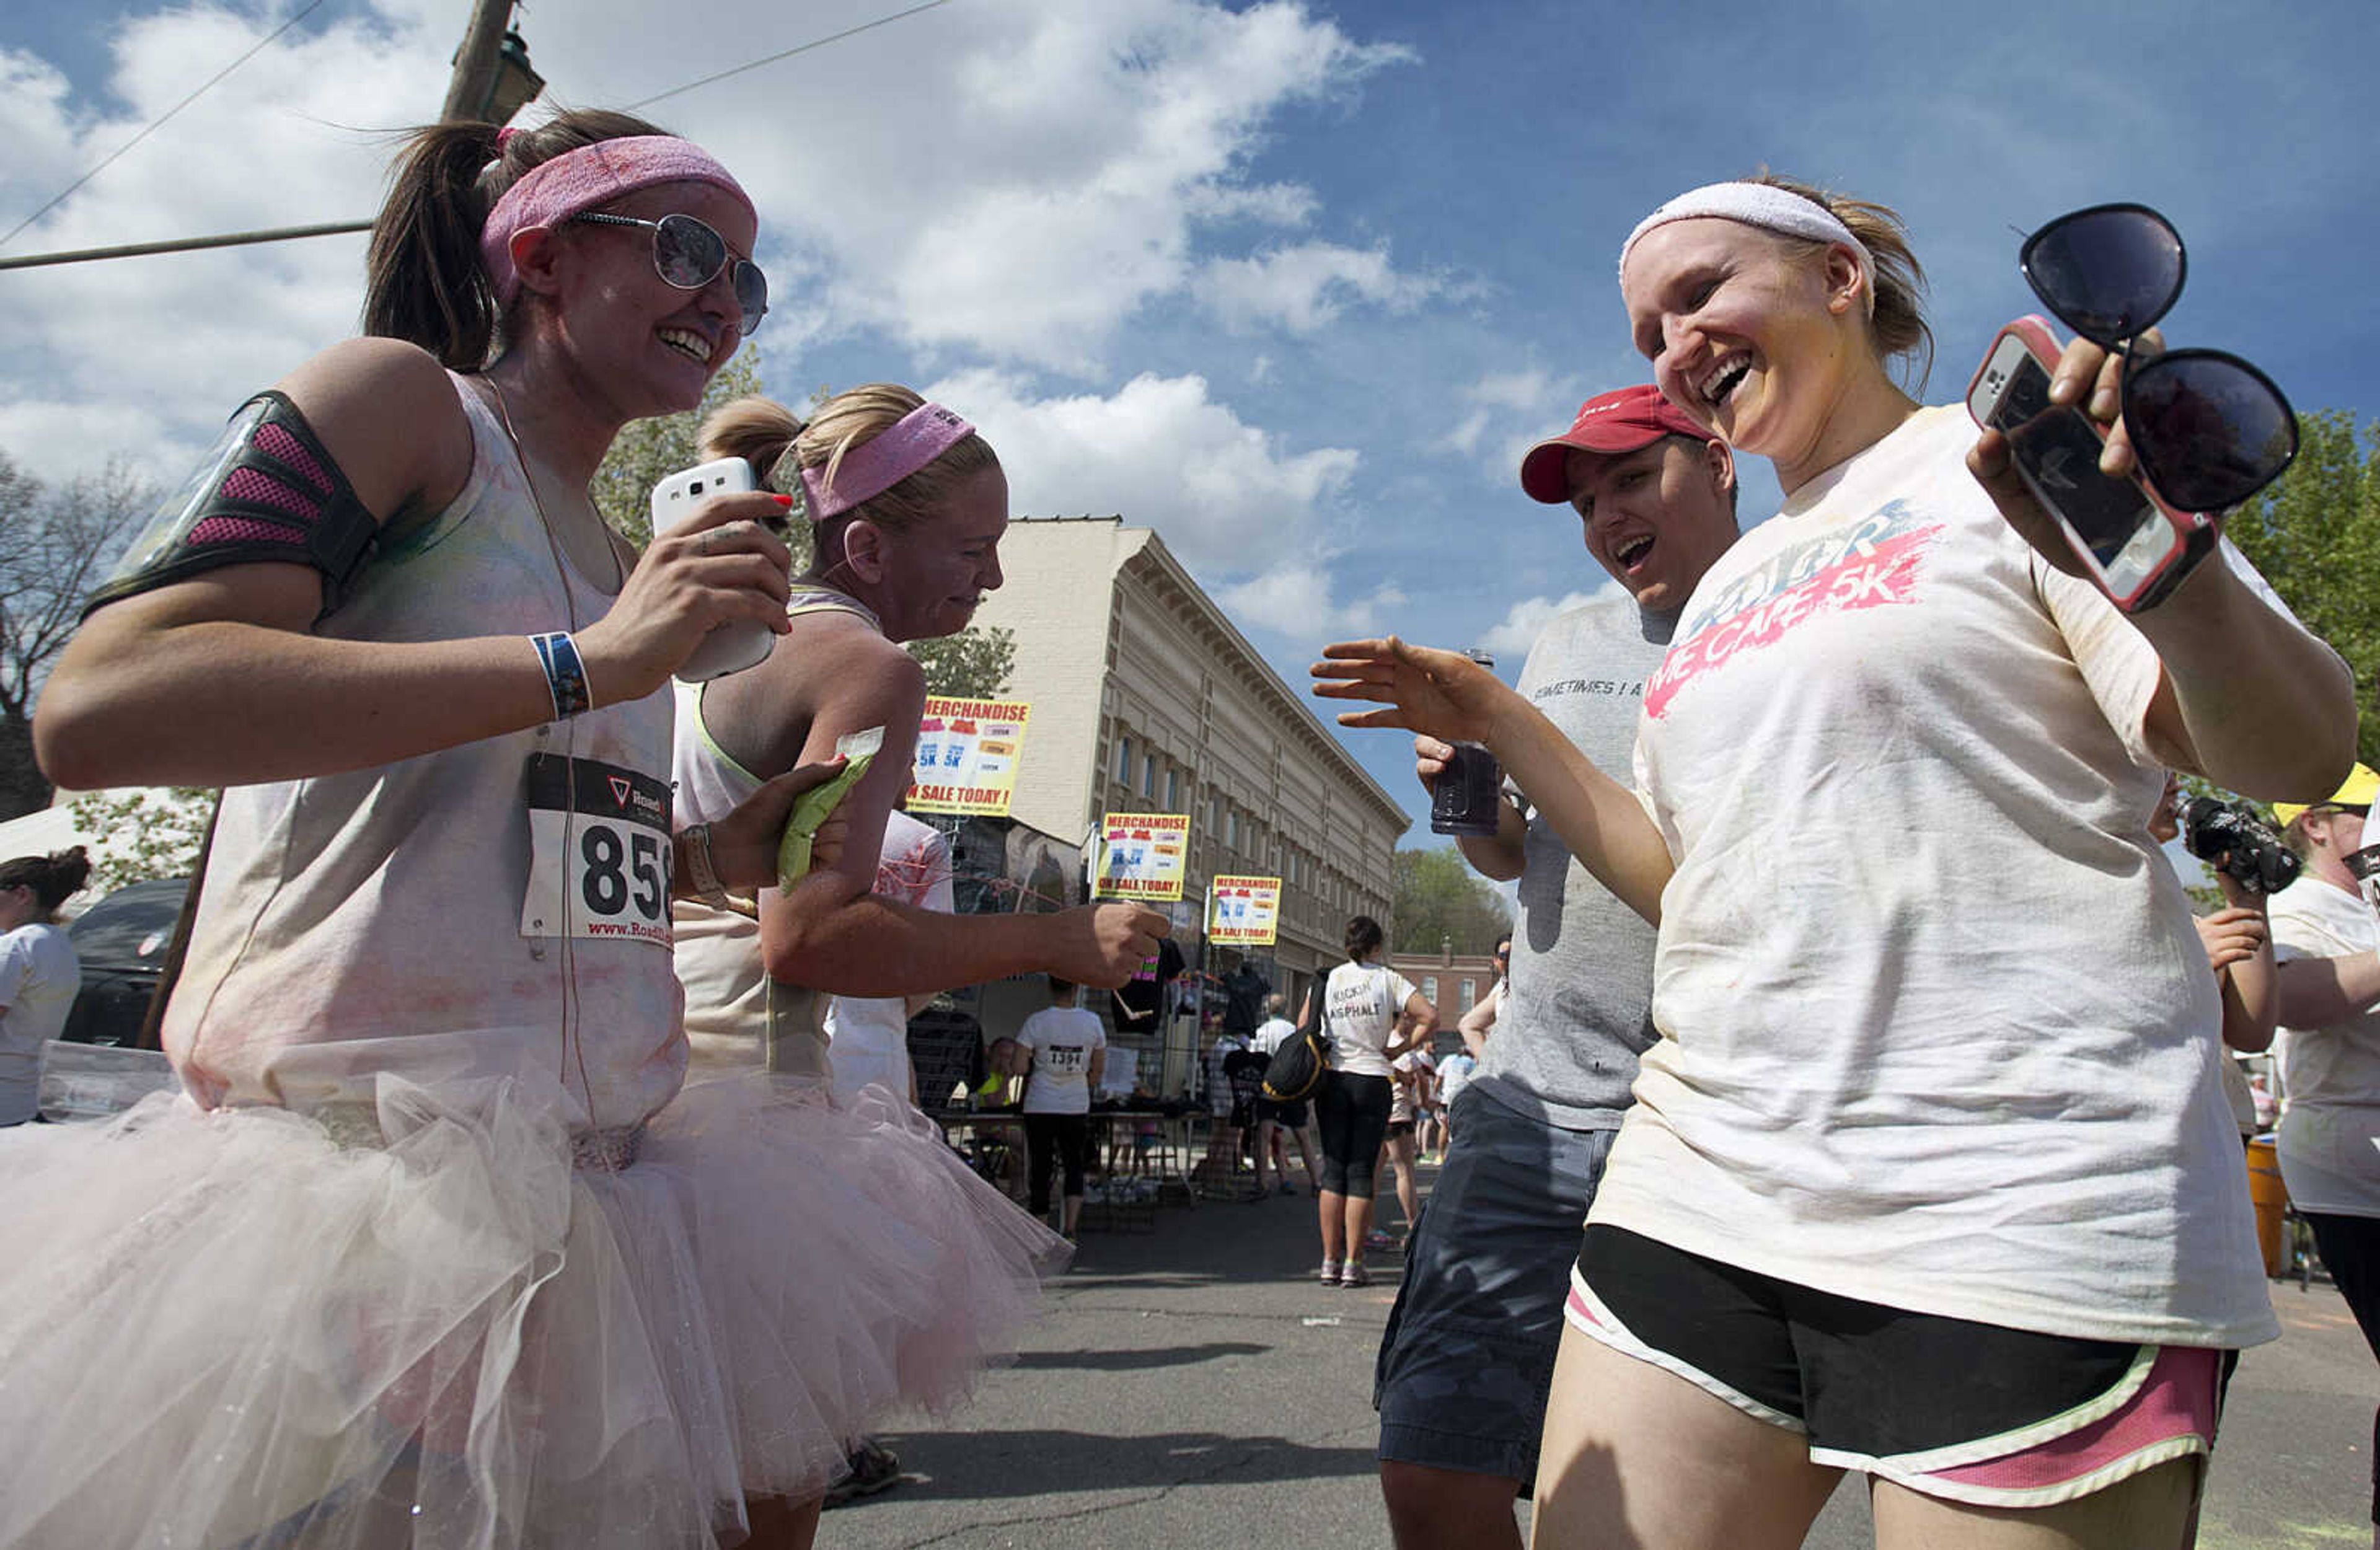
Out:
{"x": 1148, "y": 776}
{"x": 1214, "y": 811}
{"x": 1173, "y": 790}
{"x": 1232, "y": 827}
{"x": 1123, "y": 761}
{"x": 1470, "y": 993}
{"x": 1429, "y": 989}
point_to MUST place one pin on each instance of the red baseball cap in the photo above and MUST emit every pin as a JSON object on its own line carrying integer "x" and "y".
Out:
{"x": 1620, "y": 421}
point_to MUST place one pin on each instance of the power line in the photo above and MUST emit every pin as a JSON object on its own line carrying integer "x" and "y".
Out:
{"x": 159, "y": 122}
{"x": 788, "y": 53}
{"x": 239, "y": 239}
{"x": 186, "y": 244}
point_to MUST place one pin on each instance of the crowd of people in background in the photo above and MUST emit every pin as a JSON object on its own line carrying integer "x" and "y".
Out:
{"x": 1850, "y": 1096}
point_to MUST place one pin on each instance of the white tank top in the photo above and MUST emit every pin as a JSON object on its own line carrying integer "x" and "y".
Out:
{"x": 731, "y": 1003}
{"x": 381, "y": 921}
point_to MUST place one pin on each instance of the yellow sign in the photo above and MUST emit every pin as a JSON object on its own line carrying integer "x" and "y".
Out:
{"x": 1142, "y": 855}
{"x": 1244, "y": 911}
{"x": 967, "y": 751}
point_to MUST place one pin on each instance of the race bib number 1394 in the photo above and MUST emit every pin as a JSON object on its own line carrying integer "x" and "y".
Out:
{"x": 599, "y": 852}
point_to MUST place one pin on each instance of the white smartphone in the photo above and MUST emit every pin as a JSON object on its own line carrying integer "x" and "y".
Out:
{"x": 2137, "y": 547}
{"x": 740, "y": 643}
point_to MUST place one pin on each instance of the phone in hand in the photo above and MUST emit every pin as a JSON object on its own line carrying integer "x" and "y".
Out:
{"x": 740, "y": 643}
{"x": 2137, "y": 547}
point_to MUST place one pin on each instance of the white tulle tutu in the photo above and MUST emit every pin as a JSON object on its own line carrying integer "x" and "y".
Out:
{"x": 425, "y": 1326}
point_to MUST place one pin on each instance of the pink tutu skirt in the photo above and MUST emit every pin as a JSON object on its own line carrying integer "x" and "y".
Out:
{"x": 442, "y": 1319}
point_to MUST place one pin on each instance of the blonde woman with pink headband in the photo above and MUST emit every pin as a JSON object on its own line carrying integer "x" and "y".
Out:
{"x": 1928, "y": 1179}
{"x": 432, "y": 1249}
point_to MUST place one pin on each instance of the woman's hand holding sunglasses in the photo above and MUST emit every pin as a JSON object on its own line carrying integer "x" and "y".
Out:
{"x": 721, "y": 565}
{"x": 2089, "y": 378}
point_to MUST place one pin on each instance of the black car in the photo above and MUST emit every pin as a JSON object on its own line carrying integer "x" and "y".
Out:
{"x": 122, "y": 941}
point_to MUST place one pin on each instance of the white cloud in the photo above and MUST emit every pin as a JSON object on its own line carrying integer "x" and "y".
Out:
{"x": 1511, "y": 636}
{"x": 1010, "y": 184}
{"x": 1224, "y": 495}
{"x": 1305, "y": 287}
{"x": 1296, "y": 601}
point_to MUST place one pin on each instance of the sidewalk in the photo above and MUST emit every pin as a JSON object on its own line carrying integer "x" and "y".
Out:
{"x": 1192, "y": 1388}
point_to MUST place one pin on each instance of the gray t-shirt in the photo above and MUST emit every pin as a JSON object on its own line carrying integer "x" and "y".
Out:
{"x": 1574, "y": 1018}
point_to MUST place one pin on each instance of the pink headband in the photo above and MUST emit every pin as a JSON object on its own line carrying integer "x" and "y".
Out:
{"x": 577, "y": 181}
{"x": 883, "y": 460}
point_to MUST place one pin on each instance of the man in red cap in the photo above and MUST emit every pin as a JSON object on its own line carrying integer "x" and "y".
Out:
{"x": 1469, "y": 1350}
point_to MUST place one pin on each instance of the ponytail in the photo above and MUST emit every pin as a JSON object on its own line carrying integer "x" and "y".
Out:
{"x": 758, "y": 431}
{"x": 423, "y": 280}
{"x": 54, "y": 877}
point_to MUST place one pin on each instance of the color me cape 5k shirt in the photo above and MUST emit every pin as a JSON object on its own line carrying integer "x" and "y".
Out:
{"x": 1935, "y": 1028}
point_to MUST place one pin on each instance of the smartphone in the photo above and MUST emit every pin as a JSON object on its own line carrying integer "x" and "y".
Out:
{"x": 740, "y": 643}
{"x": 2132, "y": 544}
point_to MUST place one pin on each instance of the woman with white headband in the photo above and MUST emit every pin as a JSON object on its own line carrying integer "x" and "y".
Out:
{"x": 432, "y": 1250}
{"x": 1928, "y": 1177}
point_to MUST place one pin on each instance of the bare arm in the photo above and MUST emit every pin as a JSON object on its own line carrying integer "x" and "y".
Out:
{"x": 217, "y": 680}
{"x": 832, "y": 933}
{"x": 1477, "y": 1023}
{"x": 1454, "y": 700}
{"x": 2317, "y": 992}
{"x": 2249, "y": 701}
{"x": 1097, "y": 1067}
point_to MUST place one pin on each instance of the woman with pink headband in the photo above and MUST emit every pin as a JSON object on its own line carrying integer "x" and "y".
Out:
{"x": 432, "y": 1249}
{"x": 907, "y": 503}
{"x": 1928, "y": 1177}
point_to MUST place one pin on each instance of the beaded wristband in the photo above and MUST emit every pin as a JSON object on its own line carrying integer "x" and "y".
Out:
{"x": 565, "y": 675}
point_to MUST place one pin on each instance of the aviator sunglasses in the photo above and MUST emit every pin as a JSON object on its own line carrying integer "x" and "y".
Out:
{"x": 2209, "y": 429}
{"x": 690, "y": 255}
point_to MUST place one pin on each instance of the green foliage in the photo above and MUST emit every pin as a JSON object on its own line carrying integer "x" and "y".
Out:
{"x": 972, "y": 664}
{"x": 144, "y": 832}
{"x": 1438, "y": 896}
{"x": 2315, "y": 536}
{"x": 648, "y": 450}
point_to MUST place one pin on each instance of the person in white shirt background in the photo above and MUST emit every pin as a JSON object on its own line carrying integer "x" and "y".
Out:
{"x": 38, "y": 972}
{"x": 1276, "y": 1119}
{"x": 2325, "y": 938}
{"x": 1061, "y": 1052}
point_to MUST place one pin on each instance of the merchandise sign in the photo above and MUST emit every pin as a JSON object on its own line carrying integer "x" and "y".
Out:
{"x": 1244, "y": 911}
{"x": 967, "y": 751}
{"x": 1141, "y": 855}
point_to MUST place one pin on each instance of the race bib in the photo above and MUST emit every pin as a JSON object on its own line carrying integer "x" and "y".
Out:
{"x": 599, "y": 862}
{"x": 1067, "y": 1059}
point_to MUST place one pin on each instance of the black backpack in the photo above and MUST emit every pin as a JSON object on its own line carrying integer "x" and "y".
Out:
{"x": 1297, "y": 1066}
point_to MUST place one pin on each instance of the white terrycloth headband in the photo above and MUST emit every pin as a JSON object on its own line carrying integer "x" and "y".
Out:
{"x": 1762, "y": 205}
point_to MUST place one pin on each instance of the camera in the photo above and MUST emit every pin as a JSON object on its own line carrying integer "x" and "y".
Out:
{"x": 2232, "y": 838}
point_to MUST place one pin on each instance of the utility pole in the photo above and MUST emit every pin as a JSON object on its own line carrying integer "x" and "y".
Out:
{"x": 473, "y": 86}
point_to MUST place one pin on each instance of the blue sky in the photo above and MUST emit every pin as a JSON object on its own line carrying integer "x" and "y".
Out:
{"x": 1292, "y": 284}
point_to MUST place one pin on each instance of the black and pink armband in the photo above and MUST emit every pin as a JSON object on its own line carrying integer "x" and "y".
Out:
{"x": 267, "y": 492}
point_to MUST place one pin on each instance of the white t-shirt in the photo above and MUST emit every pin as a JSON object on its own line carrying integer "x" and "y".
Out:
{"x": 1936, "y": 1031}
{"x": 2331, "y": 1073}
{"x": 1454, "y": 1074}
{"x": 868, "y": 1038}
{"x": 1360, "y": 1004}
{"x": 1062, "y": 1039}
{"x": 1272, "y": 1034}
{"x": 39, "y": 979}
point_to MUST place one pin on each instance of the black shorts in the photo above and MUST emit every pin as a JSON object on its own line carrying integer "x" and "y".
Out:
{"x": 1967, "y": 1411}
{"x": 1400, "y": 1127}
{"x": 1291, "y": 1115}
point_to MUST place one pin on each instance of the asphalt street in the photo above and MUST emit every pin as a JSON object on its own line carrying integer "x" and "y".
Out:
{"x": 1190, "y": 1387}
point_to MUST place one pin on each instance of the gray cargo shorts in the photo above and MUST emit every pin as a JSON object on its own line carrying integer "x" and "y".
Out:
{"x": 1468, "y": 1354}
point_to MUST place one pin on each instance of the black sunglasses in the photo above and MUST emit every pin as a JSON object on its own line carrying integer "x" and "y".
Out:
{"x": 2209, "y": 428}
{"x": 689, "y": 254}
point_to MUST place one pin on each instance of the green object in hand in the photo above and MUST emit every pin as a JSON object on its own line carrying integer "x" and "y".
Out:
{"x": 813, "y": 806}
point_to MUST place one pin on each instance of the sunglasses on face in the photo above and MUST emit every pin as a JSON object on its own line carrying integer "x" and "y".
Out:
{"x": 689, "y": 254}
{"x": 2209, "y": 428}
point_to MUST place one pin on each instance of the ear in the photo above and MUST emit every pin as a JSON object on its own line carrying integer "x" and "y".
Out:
{"x": 1847, "y": 283}
{"x": 863, "y": 550}
{"x": 537, "y": 257}
{"x": 1720, "y": 460}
